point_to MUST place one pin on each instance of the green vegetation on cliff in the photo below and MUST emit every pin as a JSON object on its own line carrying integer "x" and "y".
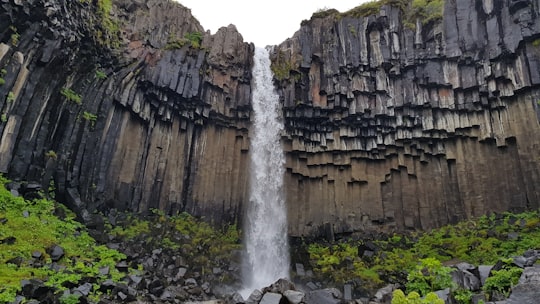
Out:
{"x": 193, "y": 39}
{"x": 416, "y": 260}
{"x": 423, "y": 10}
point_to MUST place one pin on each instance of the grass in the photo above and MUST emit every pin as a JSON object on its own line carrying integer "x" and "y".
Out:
{"x": 193, "y": 39}
{"x": 424, "y": 10}
{"x": 31, "y": 227}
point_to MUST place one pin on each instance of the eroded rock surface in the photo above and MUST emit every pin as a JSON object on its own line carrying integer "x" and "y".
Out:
{"x": 393, "y": 127}
{"x": 388, "y": 126}
{"x": 161, "y": 121}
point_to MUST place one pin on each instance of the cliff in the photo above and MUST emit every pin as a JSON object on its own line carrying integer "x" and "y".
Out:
{"x": 126, "y": 105}
{"x": 390, "y": 124}
{"x": 393, "y": 126}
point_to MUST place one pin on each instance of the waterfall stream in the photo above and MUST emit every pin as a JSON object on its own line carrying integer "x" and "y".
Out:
{"x": 265, "y": 231}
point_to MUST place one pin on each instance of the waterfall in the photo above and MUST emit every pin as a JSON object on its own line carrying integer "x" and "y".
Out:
{"x": 266, "y": 256}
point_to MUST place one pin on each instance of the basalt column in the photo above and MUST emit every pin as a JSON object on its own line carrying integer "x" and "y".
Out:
{"x": 403, "y": 126}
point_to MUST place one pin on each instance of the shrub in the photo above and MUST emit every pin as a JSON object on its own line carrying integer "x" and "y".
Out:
{"x": 462, "y": 296}
{"x": 429, "y": 275}
{"x": 398, "y": 297}
{"x": 502, "y": 280}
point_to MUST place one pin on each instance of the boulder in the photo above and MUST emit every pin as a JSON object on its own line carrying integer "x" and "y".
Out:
{"x": 323, "y": 296}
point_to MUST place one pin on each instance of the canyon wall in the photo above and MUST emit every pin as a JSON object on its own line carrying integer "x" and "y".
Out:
{"x": 393, "y": 126}
{"x": 133, "y": 119}
{"x": 388, "y": 125}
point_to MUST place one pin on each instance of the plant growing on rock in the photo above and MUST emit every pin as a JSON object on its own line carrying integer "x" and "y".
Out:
{"x": 3, "y": 73}
{"x": 70, "y": 95}
{"x": 502, "y": 280}
{"x": 90, "y": 118}
{"x": 10, "y": 97}
{"x": 30, "y": 229}
{"x": 429, "y": 275}
{"x": 398, "y": 297}
{"x": 100, "y": 75}
{"x": 194, "y": 39}
{"x": 281, "y": 66}
{"x": 14, "y": 36}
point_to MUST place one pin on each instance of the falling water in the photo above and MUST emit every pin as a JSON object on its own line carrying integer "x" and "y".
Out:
{"x": 266, "y": 247}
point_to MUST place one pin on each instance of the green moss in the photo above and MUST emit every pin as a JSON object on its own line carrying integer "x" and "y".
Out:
{"x": 480, "y": 241}
{"x": 398, "y": 297}
{"x": 365, "y": 9}
{"x": 92, "y": 118}
{"x": 107, "y": 34}
{"x": 427, "y": 10}
{"x": 51, "y": 154}
{"x": 10, "y": 97}
{"x": 2, "y": 81}
{"x": 536, "y": 42}
{"x": 424, "y": 10}
{"x": 70, "y": 95}
{"x": 100, "y": 75}
{"x": 200, "y": 242}
{"x": 281, "y": 67}
{"x": 15, "y": 36}
{"x": 193, "y": 39}
{"x": 33, "y": 227}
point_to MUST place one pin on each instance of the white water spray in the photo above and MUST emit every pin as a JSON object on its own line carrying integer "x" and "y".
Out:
{"x": 266, "y": 247}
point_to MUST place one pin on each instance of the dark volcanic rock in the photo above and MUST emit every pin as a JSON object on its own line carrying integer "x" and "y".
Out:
{"x": 387, "y": 125}
{"x": 392, "y": 126}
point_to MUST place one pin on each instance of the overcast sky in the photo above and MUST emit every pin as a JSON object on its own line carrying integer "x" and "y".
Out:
{"x": 264, "y": 23}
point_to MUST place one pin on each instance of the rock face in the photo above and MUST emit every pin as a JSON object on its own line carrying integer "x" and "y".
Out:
{"x": 161, "y": 121}
{"x": 134, "y": 107}
{"x": 389, "y": 127}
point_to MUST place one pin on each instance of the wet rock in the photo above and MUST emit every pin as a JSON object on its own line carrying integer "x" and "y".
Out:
{"x": 293, "y": 296}
{"x": 271, "y": 298}
{"x": 300, "y": 270}
{"x": 254, "y": 297}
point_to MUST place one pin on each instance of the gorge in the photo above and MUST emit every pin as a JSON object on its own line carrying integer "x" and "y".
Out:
{"x": 389, "y": 124}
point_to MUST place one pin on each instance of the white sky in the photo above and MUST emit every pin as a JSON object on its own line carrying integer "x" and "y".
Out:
{"x": 264, "y": 23}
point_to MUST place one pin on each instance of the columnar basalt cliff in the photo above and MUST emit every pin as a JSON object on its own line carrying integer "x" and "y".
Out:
{"x": 392, "y": 126}
{"x": 154, "y": 115}
{"x": 389, "y": 124}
